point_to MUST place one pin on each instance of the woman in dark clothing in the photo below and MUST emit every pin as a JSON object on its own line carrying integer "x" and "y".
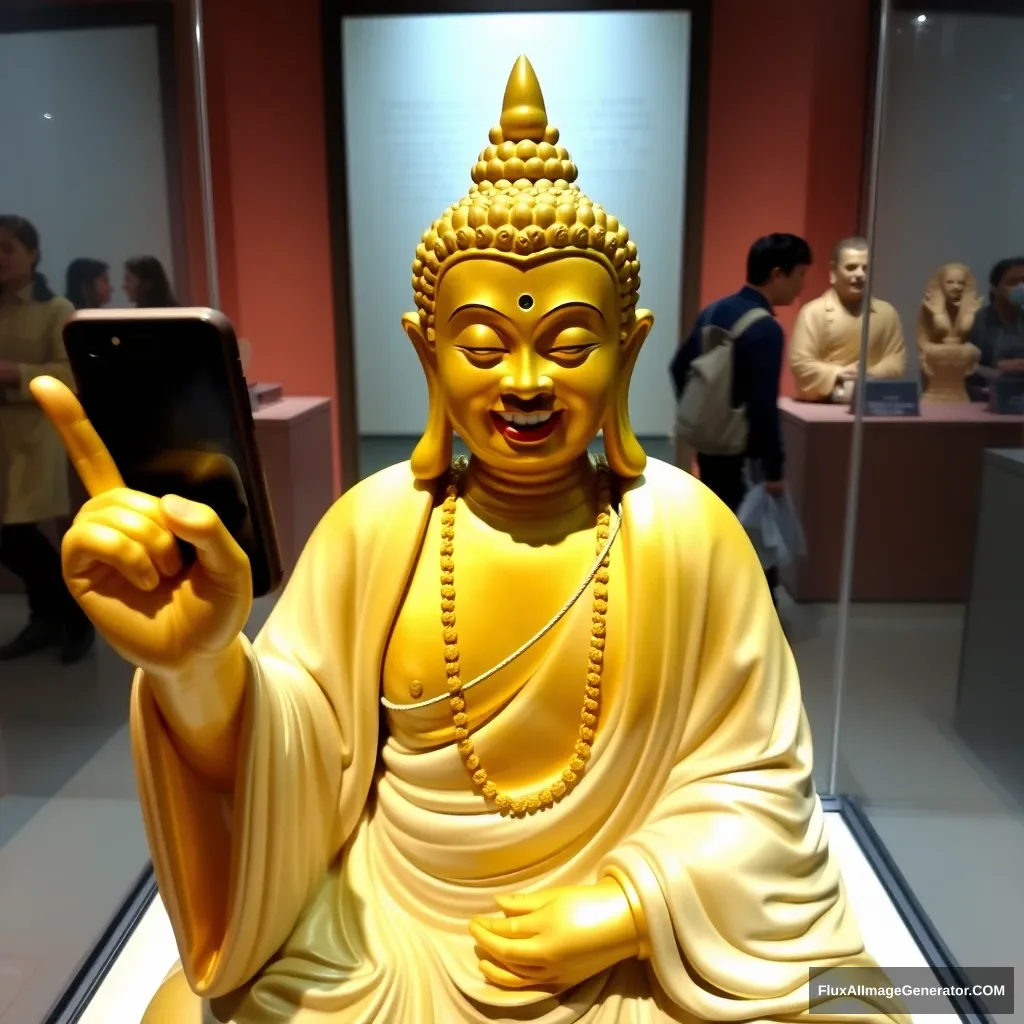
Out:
{"x": 88, "y": 284}
{"x": 998, "y": 330}
{"x": 146, "y": 284}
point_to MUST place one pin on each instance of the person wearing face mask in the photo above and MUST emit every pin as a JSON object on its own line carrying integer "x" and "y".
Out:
{"x": 998, "y": 330}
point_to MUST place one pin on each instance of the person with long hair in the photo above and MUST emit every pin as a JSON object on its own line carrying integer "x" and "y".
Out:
{"x": 146, "y": 283}
{"x": 33, "y": 466}
{"x": 88, "y": 284}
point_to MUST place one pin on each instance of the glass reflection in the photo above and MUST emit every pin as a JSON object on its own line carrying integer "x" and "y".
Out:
{"x": 93, "y": 177}
{"x": 929, "y": 738}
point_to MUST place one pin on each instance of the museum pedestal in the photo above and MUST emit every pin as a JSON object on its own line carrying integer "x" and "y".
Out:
{"x": 294, "y": 440}
{"x": 990, "y": 699}
{"x": 919, "y": 484}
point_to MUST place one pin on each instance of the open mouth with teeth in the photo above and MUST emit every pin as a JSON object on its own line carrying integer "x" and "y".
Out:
{"x": 525, "y": 426}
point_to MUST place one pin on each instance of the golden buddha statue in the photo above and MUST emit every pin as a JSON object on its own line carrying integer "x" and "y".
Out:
{"x": 588, "y": 797}
{"x": 944, "y": 323}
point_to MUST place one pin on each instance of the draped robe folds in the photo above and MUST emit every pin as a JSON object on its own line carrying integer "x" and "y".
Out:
{"x": 335, "y": 887}
{"x": 826, "y": 340}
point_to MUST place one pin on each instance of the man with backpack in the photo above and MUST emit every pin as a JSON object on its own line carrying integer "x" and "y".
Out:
{"x": 726, "y": 375}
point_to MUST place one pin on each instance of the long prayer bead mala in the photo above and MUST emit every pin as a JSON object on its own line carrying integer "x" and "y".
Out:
{"x": 571, "y": 775}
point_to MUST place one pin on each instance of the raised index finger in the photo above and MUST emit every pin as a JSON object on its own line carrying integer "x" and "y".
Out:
{"x": 87, "y": 452}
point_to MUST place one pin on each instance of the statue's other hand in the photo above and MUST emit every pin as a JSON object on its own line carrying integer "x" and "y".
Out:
{"x": 122, "y": 561}
{"x": 556, "y": 938}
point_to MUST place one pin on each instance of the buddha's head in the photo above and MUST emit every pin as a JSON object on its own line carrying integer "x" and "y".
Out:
{"x": 527, "y": 323}
{"x": 955, "y": 280}
{"x": 848, "y": 272}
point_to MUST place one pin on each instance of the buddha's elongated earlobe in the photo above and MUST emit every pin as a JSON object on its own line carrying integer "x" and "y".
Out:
{"x": 625, "y": 456}
{"x": 432, "y": 456}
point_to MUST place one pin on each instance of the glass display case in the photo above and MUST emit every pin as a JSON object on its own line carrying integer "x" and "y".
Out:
{"x": 929, "y": 740}
{"x": 281, "y": 165}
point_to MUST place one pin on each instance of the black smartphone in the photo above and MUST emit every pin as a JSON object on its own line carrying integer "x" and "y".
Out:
{"x": 165, "y": 390}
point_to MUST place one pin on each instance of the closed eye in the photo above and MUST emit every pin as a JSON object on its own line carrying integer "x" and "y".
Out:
{"x": 570, "y": 350}
{"x": 571, "y": 355}
{"x": 572, "y": 341}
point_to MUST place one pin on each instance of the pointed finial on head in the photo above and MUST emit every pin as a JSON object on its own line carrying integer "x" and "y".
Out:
{"x": 522, "y": 110}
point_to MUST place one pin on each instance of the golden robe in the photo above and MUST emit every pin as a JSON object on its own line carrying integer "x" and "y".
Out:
{"x": 826, "y": 340}
{"x": 353, "y": 877}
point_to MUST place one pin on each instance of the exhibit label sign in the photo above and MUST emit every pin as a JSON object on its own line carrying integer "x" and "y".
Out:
{"x": 891, "y": 398}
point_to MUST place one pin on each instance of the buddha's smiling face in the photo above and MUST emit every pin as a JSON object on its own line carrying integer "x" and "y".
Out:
{"x": 528, "y": 356}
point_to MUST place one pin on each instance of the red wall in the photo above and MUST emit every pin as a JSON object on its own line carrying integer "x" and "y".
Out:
{"x": 787, "y": 98}
{"x": 787, "y": 102}
{"x": 266, "y": 120}
{"x": 786, "y": 95}
{"x": 266, "y": 113}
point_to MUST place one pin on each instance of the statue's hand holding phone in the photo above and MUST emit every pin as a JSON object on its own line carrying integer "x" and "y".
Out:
{"x": 123, "y": 563}
{"x": 178, "y": 534}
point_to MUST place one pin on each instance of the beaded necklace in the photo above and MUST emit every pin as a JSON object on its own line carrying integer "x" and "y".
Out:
{"x": 570, "y": 776}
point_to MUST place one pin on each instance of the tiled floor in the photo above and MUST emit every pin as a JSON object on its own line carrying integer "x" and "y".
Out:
{"x": 951, "y": 814}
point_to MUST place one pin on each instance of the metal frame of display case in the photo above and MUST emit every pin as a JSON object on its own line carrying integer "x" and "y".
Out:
{"x": 970, "y": 1009}
{"x": 25, "y": 16}
{"x": 94, "y": 968}
{"x": 333, "y": 14}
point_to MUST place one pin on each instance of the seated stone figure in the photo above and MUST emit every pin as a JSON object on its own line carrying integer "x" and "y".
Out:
{"x": 588, "y": 795}
{"x": 944, "y": 325}
{"x": 824, "y": 351}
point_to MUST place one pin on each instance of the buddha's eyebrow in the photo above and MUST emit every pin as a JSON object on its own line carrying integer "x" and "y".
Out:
{"x": 573, "y": 304}
{"x": 479, "y": 306}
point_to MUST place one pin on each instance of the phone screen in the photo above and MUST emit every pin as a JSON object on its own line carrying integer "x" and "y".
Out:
{"x": 168, "y": 399}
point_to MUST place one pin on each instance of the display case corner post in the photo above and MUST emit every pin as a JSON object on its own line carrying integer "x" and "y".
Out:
{"x": 332, "y": 13}
{"x": 701, "y": 30}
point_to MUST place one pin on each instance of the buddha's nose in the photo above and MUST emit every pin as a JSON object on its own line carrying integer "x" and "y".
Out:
{"x": 525, "y": 381}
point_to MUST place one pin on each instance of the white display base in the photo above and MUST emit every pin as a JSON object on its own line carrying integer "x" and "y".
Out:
{"x": 150, "y": 953}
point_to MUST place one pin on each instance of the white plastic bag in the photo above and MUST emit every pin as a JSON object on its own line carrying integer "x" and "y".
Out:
{"x": 773, "y": 526}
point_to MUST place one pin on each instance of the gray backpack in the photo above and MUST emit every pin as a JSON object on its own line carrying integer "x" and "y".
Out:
{"x": 705, "y": 417}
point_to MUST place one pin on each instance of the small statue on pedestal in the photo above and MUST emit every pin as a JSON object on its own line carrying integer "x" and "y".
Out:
{"x": 824, "y": 354}
{"x": 944, "y": 324}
